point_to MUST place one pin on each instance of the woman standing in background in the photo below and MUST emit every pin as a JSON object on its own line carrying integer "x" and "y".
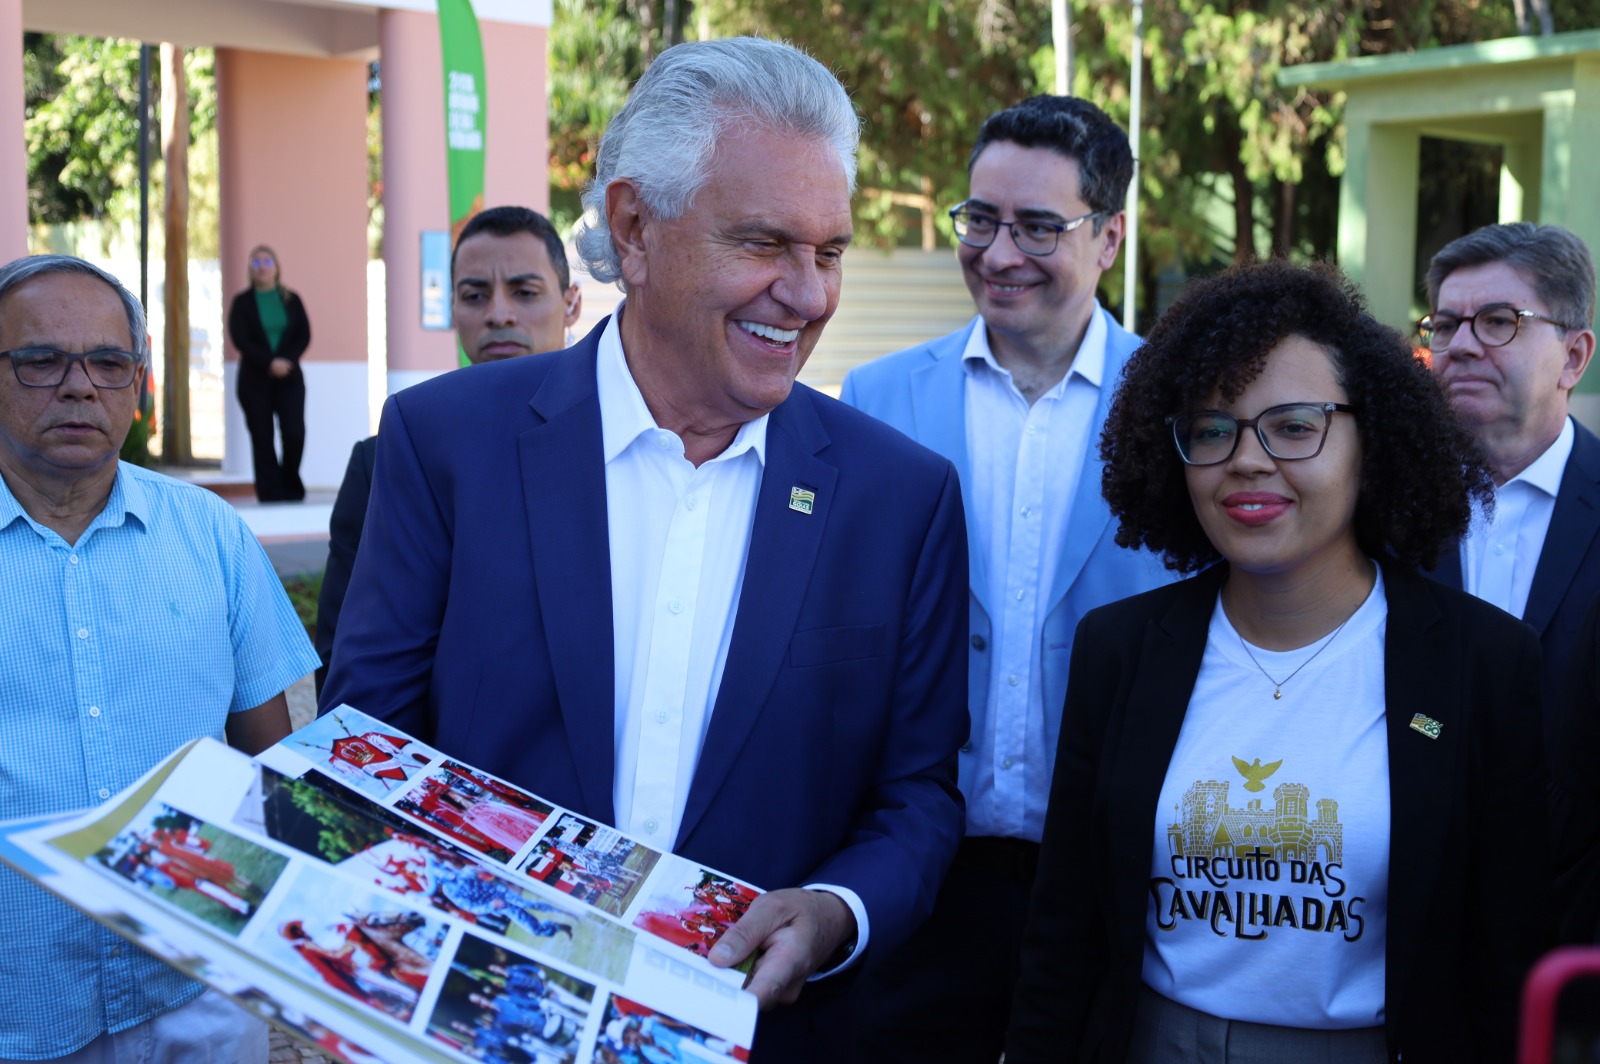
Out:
{"x": 268, "y": 325}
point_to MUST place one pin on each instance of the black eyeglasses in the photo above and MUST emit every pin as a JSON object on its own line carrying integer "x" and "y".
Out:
{"x": 45, "y": 367}
{"x": 1495, "y": 326}
{"x": 977, "y": 229}
{"x": 1292, "y": 432}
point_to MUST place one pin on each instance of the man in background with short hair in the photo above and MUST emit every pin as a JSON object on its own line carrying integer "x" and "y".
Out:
{"x": 511, "y": 294}
{"x": 1512, "y": 332}
{"x": 1016, "y": 400}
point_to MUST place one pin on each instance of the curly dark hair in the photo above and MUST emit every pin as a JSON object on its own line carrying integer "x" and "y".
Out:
{"x": 1419, "y": 467}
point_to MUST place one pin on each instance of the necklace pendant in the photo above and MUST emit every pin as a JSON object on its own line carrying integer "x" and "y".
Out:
{"x": 1277, "y": 694}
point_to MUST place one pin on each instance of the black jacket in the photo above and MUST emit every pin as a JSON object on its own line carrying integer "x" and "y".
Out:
{"x": 244, "y": 329}
{"x": 1469, "y": 889}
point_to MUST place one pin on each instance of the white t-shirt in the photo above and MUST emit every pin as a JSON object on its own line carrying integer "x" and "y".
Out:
{"x": 1270, "y": 880}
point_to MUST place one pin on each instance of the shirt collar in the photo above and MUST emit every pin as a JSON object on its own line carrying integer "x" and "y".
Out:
{"x": 1089, "y": 363}
{"x": 128, "y": 498}
{"x": 624, "y": 416}
{"x": 1545, "y": 471}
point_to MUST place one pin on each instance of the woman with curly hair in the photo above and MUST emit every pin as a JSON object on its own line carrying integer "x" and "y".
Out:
{"x": 1298, "y": 808}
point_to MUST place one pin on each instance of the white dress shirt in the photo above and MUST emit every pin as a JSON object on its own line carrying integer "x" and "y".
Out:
{"x": 1501, "y": 551}
{"x": 679, "y": 537}
{"x": 1026, "y": 461}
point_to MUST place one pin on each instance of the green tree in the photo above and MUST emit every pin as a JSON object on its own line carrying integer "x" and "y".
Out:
{"x": 81, "y": 128}
{"x": 80, "y": 121}
{"x": 595, "y": 56}
{"x": 923, "y": 76}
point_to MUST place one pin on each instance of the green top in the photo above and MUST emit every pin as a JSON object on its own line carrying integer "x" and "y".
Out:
{"x": 274, "y": 318}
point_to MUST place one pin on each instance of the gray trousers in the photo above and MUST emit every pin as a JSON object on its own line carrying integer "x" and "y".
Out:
{"x": 1165, "y": 1032}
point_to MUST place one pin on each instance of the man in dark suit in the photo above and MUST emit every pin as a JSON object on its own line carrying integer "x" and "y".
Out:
{"x": 653, "y": 579}
{"x": 511, "y": 294}
{"x": 1512, "y": 332}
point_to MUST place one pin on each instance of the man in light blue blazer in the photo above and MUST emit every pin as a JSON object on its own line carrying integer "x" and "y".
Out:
{"x": 1016, "y": 401}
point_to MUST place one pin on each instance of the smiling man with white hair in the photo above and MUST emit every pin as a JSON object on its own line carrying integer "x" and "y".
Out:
{"x": 657, "y": 581}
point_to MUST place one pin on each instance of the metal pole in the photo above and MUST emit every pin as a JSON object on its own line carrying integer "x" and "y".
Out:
{"x": 1130, "y": 252}
{"x": 144, "y": 178}
{"x": 1061, "y": 31}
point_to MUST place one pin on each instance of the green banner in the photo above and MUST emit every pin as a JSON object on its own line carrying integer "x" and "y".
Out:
{"x": 465, "y": 112}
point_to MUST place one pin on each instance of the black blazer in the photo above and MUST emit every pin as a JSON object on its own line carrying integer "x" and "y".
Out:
{"x": 1567, "y": 577}
{"x": 1574, "y": 753}
{"x": 1468, "y": 881}
{"x": 344, "y": 539}
{"x": 248, "y": 336}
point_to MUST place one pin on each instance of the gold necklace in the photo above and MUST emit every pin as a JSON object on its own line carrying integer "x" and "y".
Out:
{"x": 1277, "y": 685}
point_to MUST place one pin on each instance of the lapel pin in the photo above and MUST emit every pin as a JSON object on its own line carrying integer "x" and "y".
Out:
{"x": 1426, "y": 725}
{"x": 802, "y": 500}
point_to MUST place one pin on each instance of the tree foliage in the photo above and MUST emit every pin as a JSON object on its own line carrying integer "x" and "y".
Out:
{"x": 1232, "y": 164}
{"x": 923, "y": 75}
{"x": 595, "y": 56}
{"x": 81, "y": 127}
{"x": 81, "y": 124}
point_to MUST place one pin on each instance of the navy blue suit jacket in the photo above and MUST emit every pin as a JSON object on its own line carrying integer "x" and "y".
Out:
{"x": 479, "y": 618}
{"x": 1567, "y": 578}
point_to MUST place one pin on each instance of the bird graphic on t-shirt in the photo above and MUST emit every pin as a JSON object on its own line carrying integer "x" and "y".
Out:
{"x": 1255, "y": 773}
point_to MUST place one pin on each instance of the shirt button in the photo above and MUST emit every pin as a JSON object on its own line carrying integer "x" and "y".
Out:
{"x": 966, "y": 748}
{"x": 1027, "y": 511}
{"x": 94, "y": 711}
{"x": 1030, "y": 430}
{"x": 651, "y": 825}
{"x": 104, "y": 793}
{"x": 691, "y": 502}
{"x": 675, "y": 606}
{"x": 978, "y": 642}
{"x": 73, "y": 558}
{"x": 1013, "y": 679}
{"x": 83, "y": 633}
{"x": 662, "y": 716}
{"x": 116, "y": 951}
{"x": 1020, "y": 594}
{"x": 664, "y": 441}
{"x": 1006, "y": 763}
{"x": 1499, "y": 548}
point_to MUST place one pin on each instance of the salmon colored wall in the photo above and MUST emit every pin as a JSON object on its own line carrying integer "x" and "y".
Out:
{"x": 516, "y": 63}
{"x": 13, "y": 160}
{"x": 415, "y": 185}
{"x": 292, "y": 140}
{"x": 415, "y": 195}
{"x": 293, "y": 175}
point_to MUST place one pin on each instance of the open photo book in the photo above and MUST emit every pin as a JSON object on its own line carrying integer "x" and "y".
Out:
{"x": 383, "y": 902}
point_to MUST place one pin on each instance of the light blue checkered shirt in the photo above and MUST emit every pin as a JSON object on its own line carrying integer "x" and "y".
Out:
{"x": 161, "y": 620}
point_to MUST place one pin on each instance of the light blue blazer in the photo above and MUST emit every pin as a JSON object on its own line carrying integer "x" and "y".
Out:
{"x": 922, "y": 392}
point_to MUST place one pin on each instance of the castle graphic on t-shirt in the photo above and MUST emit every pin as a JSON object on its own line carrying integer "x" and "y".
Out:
{"x": 1250, "y": 869}
{"x": 1207, "y": 826}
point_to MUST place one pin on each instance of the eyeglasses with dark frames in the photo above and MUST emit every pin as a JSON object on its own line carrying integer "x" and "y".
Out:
{"x": 45, "y": 367}
{"x": 1290, "y": 432}
{"x": 1494, "y": 325}
{"x": 977, "y": 229}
